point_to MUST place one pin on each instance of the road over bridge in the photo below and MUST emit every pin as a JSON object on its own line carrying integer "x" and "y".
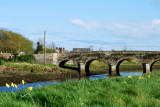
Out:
{"x": 112, "y": 58}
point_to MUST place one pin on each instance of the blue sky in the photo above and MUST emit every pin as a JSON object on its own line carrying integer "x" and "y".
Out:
{"x": 102, "y": 24}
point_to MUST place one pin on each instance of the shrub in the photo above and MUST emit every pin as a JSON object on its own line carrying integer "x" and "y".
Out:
{"x": 3, "y": 59}
{"x": 1, "y": 62}
{"x": 24, "y": 58}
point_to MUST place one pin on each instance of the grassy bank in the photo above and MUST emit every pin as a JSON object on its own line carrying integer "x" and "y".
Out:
{"x": 135, "y": 91}
{"x": 23, "y": 66}
{"x": 95, "y": 67}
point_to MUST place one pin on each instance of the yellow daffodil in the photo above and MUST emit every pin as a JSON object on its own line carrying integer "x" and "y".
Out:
{"x": 15, "y": 85}
{"x": 129, "y": 77}
{"x": 140, "y": 77}
{"x": 12, "y": 84}
{"x": 30, "y": 88}
{"x": 135, "y": 74}
{"x": 23, "y": 82}
{"x": 149, "y": 76}
{"x": 125, "y": 82}
{"x": 7, "y": 85}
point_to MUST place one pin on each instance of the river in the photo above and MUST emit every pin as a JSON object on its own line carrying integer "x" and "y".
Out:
{"x": 41, "y": 84}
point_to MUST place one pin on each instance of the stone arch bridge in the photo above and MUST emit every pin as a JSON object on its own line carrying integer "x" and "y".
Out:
{"x": 112, "y": 58}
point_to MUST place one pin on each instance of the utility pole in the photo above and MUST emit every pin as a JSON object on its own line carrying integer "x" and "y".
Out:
{"x": 44, "y": 47}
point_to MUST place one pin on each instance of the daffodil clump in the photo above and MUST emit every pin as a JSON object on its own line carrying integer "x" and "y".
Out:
{"x": 14, "y": 85}
{"x": 125, "y": 82}
{"x": 129, "y": 77}
{"x": 140, "y": 77}
{"x": 30, "y": 88}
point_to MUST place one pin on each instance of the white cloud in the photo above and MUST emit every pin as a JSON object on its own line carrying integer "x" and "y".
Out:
{"x": 88, "y": 25}
{"x": 125, "y": 28}
{"x": 156, "y": 21}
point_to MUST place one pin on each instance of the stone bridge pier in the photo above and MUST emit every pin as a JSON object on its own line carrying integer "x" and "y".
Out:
{"x": 114, "y": 69}
{"x": 80, "y": 68}
{"x": 146, "y": 68}
{"x": 114, "y": 65}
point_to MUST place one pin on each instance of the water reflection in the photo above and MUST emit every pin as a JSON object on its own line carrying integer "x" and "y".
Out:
{"x": 93, "y": 77}
{"x": 130, "y": 73}
{"x": 21, "y": 86}
{"x": 41, "y": 84}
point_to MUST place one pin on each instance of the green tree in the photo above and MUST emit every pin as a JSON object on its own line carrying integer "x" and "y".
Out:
{"x": 39, "y": 48}
{"x": 12, "y": 42}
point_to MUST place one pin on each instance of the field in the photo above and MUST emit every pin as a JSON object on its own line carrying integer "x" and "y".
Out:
{"x": 119, "y": 91}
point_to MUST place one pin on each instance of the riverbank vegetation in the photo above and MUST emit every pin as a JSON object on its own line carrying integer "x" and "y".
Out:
{"x": 120, "y": 91}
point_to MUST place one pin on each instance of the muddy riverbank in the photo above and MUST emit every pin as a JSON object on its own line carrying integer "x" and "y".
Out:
{"x": 29, "y": 77}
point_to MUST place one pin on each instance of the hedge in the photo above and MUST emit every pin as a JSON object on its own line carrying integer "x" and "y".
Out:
{"x": 23, "y": 58}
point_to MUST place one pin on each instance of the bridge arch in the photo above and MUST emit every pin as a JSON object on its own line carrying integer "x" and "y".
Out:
{"x": 120, "y": 61}
{"x": 151, "y": 66}
{"x": 62, "y": 64}
{"x": 87, "y": 64}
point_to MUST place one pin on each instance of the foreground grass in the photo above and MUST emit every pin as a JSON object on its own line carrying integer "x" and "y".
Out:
{"x": 91, "y": 93}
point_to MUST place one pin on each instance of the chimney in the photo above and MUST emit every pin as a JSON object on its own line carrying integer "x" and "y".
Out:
{"x": 63, "y": 50}
{"x": 57, "y": 50}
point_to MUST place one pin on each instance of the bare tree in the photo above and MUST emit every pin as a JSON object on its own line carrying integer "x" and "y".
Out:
{"x": 91, "y": 47}
{"x": 52, "y": 46}
{"x": 124, "y": 48}
{"x": 100, "y": 49}
{"x": 41, "y": 41}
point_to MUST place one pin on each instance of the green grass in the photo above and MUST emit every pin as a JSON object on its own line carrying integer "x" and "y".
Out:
{"x": 71, "y": 65}
{"x": 49, "y": 65}
{"x": 19, "y": 66}
{"x": 91, "y": 93}
{"x": 26, "y": 63}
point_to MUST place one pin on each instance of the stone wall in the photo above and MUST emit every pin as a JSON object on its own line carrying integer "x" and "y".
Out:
{"x": 51, "y": 58}
{"x": 5, "y": 55}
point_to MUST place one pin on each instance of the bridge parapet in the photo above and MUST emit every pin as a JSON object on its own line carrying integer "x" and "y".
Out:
{"x": 144, "y": 56}
{"x": 111, "y": 52}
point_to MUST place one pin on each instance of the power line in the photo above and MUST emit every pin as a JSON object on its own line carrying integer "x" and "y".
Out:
{"x": 90, "y": 42}
{"x": 84, "y": 41}
{"x": 98, "y": 43}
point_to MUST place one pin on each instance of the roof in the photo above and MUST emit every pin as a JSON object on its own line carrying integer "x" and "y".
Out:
{"x": 81, "y": 50}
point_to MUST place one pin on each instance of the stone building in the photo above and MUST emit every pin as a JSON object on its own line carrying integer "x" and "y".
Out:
{"x": 81, "y": 49}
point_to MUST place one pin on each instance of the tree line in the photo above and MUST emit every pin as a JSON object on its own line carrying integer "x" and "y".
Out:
{"x": 11, "y": 42}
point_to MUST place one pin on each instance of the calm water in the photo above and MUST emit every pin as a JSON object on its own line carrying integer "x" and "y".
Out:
{"x": 41, "y": 84}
